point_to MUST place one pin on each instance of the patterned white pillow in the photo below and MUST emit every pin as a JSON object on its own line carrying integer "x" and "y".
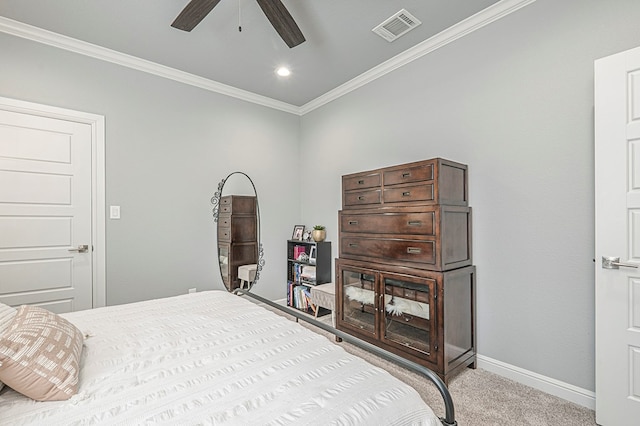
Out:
{"x": 40, "y": 355}
{"x": 6, "y": 316}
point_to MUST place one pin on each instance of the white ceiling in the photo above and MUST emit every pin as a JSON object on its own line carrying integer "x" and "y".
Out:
{"x": 340, "y": 45}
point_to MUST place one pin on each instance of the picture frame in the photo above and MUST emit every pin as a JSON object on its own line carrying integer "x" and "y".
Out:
{"x": 298, "y": 230}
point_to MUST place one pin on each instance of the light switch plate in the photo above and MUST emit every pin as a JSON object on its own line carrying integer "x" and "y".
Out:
{"x": 114, "y": 212}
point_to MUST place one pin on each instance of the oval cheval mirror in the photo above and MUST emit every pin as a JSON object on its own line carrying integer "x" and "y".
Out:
{"x": 236, "y": 212}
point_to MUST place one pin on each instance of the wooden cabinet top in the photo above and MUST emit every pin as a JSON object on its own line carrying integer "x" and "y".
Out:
{"x": 434, "y": 181}
{"x": 238, "y": 204}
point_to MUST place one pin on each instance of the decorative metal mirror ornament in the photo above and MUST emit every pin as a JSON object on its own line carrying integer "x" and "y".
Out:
{"x": 223, "y": 258}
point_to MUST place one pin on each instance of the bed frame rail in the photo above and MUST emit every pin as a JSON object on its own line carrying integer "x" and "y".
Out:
{"x": 447, "y": 420}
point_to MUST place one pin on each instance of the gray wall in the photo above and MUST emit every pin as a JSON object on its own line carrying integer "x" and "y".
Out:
{"x": 514, "y": 101}
{"x": 167, "y": 147}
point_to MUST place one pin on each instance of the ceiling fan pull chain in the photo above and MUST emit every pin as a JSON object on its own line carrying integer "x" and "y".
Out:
{"x": 239, "y": 17}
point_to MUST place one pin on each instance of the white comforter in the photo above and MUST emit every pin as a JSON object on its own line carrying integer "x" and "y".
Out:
{"x": 215, "y": 358}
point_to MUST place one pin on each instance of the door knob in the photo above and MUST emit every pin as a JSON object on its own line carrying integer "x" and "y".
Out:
{"x": 614, "y": 263}
{"x": 81, "y": 249}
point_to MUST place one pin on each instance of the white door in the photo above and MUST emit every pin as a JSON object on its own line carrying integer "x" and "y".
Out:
{"x": 45, "y": 212}
{"x": 617, "y": 196}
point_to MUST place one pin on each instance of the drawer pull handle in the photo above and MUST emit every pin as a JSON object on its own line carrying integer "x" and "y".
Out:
{"x": 361, "y": 182}
{"x": 406, "y": 194}
{"x": 413, "y": 250}
{"x": 353, "y": 222}
{"x": 361, "y": 197}
{"x": 415, "y": 223}
{"x": 353, "y": 245}
{"x": 406, "y": 174}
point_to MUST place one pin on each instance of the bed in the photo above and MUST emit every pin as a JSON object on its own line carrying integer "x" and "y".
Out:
{"x": 216, "y": 358}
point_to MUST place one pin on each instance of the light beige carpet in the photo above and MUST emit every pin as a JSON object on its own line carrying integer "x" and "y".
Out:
{"x": 482, "y": 398}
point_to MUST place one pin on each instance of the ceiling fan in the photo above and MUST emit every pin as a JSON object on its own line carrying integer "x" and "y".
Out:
{"x": 275, "y": 11}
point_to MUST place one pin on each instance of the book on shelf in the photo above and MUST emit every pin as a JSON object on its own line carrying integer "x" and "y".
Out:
{"x": 296, "y": 272}
{"x": 299, "y": 297}
{"x": 297, "y": 251}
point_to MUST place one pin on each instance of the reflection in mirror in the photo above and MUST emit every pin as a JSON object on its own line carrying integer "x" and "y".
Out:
{"x": 236, "y": 211}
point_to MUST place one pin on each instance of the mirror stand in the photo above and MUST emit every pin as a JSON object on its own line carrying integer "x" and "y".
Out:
{"x": 237, "y": 214}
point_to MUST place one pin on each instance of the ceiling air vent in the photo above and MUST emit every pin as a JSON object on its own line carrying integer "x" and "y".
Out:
{"x": 399, "y": 24}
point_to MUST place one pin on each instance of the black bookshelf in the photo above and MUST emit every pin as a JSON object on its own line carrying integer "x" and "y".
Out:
{"x": 300, "y": 265}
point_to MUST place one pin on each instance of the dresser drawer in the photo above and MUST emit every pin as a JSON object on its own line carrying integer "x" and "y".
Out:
{"x": 414, "y": 223}
{"x": 408, "y": 175}
{"x": 362, "y": 198}
{"x": 406, "y": 194}
{"x": 381, "y": 233}
{"x": 363, "y": 181}
{"x": 418, "y": 252}
{"x": 224, "y": 234}
{"x": 237, "y": 228}
{"x": 224, "y": 220}
{"x": 428, "y": 182}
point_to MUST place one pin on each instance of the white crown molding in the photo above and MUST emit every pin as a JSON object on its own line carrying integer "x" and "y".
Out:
{"x": 479, "y": 20}
{"x": 563, "y": 390}
{"x": 50, "y": 38}
{"x": 461, "y": 29}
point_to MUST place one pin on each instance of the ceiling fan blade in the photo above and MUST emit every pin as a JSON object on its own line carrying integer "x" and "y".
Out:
{"x": 193, "y": 13}
{"x": 282, "y": 21}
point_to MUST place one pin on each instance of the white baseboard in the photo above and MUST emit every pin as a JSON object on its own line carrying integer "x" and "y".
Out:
{"x": 563, "y": 390}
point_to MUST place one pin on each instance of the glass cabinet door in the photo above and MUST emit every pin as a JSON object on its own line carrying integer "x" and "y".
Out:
{"x": 358, "y": 300}
{"x": 409, "y": 313}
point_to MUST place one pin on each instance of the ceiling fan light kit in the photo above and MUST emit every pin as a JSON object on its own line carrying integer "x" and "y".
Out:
{"x": 274, "y": 10}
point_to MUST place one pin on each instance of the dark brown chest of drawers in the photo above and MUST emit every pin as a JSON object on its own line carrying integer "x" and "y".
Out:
{"x": 237, "y": 236}
{"x": 431, "y": 237}
{"x": 404, "y": 276}
{"x": 435, "y": 181}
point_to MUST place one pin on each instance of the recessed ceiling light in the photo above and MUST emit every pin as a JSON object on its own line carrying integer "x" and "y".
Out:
{"x": 283, "y": 72}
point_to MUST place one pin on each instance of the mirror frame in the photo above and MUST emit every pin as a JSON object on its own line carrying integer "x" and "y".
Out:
{"x": 215, "y": 200}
